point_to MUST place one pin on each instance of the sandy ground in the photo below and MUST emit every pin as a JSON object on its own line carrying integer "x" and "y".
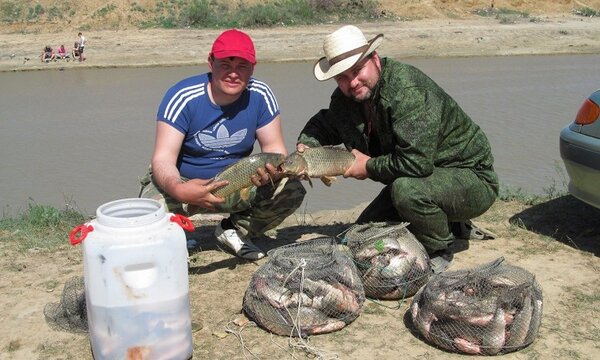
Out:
{"x": 479, "y": 36}
{"x": 558, "y": 241}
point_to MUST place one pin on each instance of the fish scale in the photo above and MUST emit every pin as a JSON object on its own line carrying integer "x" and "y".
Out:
{"x": 239, "y": 174}
{"x": 318, "y": 162}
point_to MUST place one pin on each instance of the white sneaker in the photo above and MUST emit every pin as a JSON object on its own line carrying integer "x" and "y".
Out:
{"x": 241, "y": 248}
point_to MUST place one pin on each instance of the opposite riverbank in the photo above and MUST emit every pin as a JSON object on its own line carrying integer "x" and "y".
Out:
{"x": 476, "y": 36}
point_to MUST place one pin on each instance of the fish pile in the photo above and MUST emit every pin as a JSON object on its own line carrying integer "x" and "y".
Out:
{"x": 323, "y": 162}
{"x": 492, "y": 309}
{"x": 305, "y": 288}
{"x": 392, "y": 263}
{"x": 239, "y": 174}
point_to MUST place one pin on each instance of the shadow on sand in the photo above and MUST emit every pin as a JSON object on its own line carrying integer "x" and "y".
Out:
{"x": 205, "y": 240}
{"x": 566, "y": 219}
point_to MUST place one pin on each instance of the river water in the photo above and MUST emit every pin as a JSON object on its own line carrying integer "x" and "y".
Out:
{"x": 84, "y": 137}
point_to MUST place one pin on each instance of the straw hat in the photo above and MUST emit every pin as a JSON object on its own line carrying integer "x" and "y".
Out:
{"x": 343, "y": 49}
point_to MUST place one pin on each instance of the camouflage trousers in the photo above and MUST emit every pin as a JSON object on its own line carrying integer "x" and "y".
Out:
{"x": 253, "y": 210}
{"x": 429, "y": 204}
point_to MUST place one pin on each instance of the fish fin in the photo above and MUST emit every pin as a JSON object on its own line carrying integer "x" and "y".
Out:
{"x": 279, "y": 188}
{"x": 245, "y": 193}
{"x": 328, "y": 180}
{"x": 271, "y": 180}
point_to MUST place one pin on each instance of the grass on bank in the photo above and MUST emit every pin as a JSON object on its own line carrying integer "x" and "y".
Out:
{"x": 222, "y": 13}
{"x": 586, "y": 11}
{"x": 511, "y": 16}
{"x": 40, "y": 227}
{"x": 197, "y": 13}
{"x": 43, "y": 227}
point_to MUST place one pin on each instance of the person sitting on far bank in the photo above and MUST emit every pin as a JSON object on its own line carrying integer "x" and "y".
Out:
{"x": 62, "y": 54}
{"x": 48, "y": 54}
{"x": 406, "y": 132}
{"x": 209, "y": 121}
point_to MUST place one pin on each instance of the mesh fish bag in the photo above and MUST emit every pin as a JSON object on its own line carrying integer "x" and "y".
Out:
{"x": 492, "y": 309}
{"x": 304, "y": 289}
{"x": 391, "y": 262}
{"x": 70, "y": 313}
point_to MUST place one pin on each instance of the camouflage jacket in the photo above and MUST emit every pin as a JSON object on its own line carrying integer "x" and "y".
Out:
{"x": 416, "y": 126}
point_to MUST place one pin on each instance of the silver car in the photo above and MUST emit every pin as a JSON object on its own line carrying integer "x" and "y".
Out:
{"x": 580, "y": 151}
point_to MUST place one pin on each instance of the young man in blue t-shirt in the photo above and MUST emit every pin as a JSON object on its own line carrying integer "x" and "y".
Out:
{"x": 209, "y": 121}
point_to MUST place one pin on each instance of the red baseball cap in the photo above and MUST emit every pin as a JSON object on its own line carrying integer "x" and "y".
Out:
{"x": 234, "y": 43}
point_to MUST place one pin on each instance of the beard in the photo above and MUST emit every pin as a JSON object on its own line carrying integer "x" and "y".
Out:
{"x": 363, "y": 96}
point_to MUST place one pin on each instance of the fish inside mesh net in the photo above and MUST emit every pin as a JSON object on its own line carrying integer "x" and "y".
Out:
{"x": 492, "y": 309}
{"x": 304, "y": 289}
{"x": 69, "y": 313}
{"x": 391, "y": 262}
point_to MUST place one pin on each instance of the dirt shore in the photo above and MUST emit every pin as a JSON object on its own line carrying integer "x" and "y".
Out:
{"x": 557, "y": 241}
{"x": 481, "y": 36}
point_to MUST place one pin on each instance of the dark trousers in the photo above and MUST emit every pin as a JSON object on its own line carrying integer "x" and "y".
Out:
{"x": 430, "y": 203}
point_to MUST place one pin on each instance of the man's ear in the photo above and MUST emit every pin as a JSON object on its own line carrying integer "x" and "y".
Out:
{"x": 210, "y": 62}
{"x": 375, "y": 56}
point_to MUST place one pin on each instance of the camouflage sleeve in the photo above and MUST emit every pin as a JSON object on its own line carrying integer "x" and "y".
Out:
{"x": 319, "y": 131}
{"x": 415, "y": 118}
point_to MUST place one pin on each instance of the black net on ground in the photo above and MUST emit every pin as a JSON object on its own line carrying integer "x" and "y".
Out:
{"x": 392, "y": 263}
{"x": 491, "y": 309}
{"x": 304, "y": 289}
{"x": 70, "y": 313}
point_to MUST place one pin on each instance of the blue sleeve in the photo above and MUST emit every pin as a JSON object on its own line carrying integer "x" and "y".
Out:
{"x": 269, "y": 108}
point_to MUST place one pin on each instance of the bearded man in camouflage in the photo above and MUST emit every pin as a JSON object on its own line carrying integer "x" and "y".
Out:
{"x": 407, "y": 133}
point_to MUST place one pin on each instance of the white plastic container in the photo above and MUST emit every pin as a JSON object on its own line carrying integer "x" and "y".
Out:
{"x": 136, "y": 281}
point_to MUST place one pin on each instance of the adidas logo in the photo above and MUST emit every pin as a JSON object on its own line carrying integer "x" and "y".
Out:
{"x": 221, "y": 140}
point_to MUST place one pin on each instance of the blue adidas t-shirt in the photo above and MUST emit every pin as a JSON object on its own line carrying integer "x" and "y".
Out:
{"x": 215, "y": 136}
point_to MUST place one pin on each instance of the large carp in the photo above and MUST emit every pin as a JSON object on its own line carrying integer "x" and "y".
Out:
{"x": 239, "y": 174}
{"x": 318, "y": 162}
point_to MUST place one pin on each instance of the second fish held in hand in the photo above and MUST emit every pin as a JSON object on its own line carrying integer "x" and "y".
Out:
{"x": 319, "y": 162}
